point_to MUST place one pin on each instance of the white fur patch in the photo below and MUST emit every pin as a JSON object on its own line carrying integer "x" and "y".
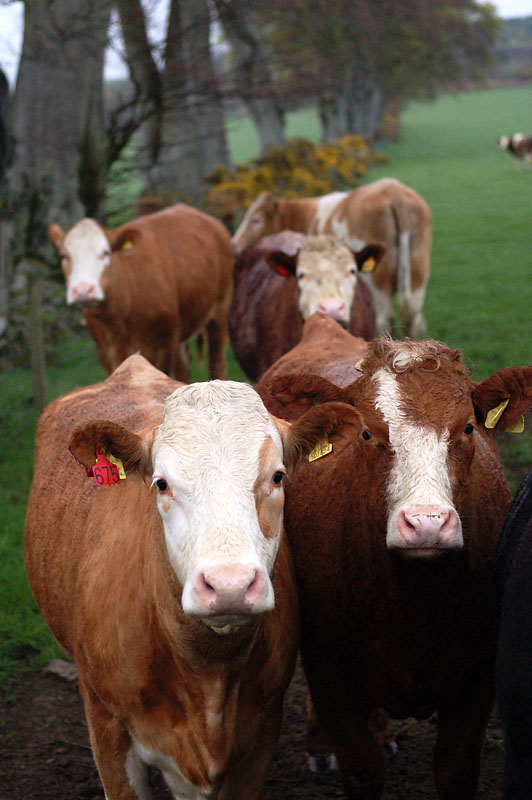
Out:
{"x": 208, "y": 449}
{"x": 325, "y": 207}
{"x": 180, "y": 788}
{"x": 326, "y": 275}
{"x": 88, "y": 250}
{"x": 340, "y": 228}
{"x": 419, "y": 474}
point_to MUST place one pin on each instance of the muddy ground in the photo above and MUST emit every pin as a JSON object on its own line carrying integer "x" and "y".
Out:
{"x": 45, "y": 753}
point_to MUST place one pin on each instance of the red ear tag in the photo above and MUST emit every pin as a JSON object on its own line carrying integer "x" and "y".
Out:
{"x": 282, "y": 270}
{"x": 104, "y": 472}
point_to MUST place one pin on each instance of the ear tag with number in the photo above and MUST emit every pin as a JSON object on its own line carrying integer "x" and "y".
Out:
{"x": 369, "y": 264}
{"x": 493, "y": 416}
{"x": 322, "y": 449}
{"x": 517, "y": 427}
{"x": 118, "y": 464}
{"x": 127, "y": 245}
{"x": 104, "y": 471}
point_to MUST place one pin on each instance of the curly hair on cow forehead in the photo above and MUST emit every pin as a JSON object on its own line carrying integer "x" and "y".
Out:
{"x": 399, "y": 356}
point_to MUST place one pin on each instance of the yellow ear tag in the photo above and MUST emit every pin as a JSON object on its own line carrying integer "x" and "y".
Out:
{"x": 493, "y": 416}
{"x": 322, "y": 449}
{"x": 517, "y": 427}
{"x": 127, "y": 245}
{"x": 118, "y": 464}
{"x": 369, "y": 264}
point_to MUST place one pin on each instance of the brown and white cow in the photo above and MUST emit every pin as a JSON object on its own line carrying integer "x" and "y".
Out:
{"x": 151, "y": 285}
{"x": 283, "y": 279}
{"x": 172, "y": 589}
{"x": 384, "y": 211}
{"x": 394, "y": 543}
{"x": 519, "y": 146}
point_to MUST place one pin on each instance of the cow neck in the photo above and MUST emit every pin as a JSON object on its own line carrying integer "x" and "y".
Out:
{"x": 297, "y": 214}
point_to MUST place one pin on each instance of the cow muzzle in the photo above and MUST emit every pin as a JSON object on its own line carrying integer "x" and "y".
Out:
{"x": 229, "y": 595}
{"x": 425, "y": 530}
{"x": 335, "y": 308}
{"x": 85, "y": 294}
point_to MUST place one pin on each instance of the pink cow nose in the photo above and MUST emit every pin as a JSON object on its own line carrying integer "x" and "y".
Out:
{"x": 429, "y": 527}
{"x": 335, "y": 308}
{"x": 83, "y": 292}
{"x": 231, "y": 590}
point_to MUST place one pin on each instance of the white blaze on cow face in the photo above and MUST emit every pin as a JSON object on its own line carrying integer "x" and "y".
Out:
{"x": 326, "y": 277}
{"x": 85, "y": 253}
{"x": 422, "y": 519}
{"x": 218, "y": 469}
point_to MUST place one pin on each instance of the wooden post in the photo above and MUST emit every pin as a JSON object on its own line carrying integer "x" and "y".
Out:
{"x": 36, "y": 346}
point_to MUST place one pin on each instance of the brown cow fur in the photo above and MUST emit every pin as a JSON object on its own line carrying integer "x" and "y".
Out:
{"x": 174, "y": 282}
{"x": 264, "y": 321}
{"x": 380, "y": 630}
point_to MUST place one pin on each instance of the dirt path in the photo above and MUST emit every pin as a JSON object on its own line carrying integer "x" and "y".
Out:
{"x": 45, "y": 753}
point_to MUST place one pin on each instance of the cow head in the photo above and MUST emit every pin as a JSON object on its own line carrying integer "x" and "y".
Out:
{"x": 261, "y": 219}
{"x": 216, "y": 466}
{"x": 421, "y": 420}
{"x": 326, "y": 273}
{"x": 86, "y": 251}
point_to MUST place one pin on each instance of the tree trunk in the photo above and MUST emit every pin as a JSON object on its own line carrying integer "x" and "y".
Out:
{"x": 253, "y": 80}
{"x": 354, "y": 106}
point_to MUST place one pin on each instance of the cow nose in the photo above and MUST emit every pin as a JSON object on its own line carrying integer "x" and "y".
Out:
{"x": 83, "y": 292}
{"x": 429, "y": 527}
{"x": 235, "y": 589}
{"x": 335, "y": 308}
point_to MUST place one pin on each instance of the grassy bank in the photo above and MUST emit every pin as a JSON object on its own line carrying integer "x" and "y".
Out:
{"x": 479, "y": 299}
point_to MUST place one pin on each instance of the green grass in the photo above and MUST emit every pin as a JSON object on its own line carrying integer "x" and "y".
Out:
{"x": 479, "y": 300}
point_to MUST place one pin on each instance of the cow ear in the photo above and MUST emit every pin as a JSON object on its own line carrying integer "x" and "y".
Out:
{"x": 368, "y": 258}
{"x": 290, "y": 396}
{"x": 283, "y": 262}
{"x": 56, "y": 234}
{"x": 322, "y": 430}
{"x": 501, "y": 400}
{"x": 123, "y": 239}
{"x": 133, "y": 450}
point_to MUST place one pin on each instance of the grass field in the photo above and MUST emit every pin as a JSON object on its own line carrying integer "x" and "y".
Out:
{"x": 479, "y": 299}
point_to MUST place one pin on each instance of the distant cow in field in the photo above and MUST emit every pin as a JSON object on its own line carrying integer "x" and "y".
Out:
{"x": 385, "y": 211}
{"x": 514, "y": 657}
{"x": 283, "y": 279}
{"x": 518, "y": 145}
{"x": 173, "y": 589}
{"x": 150, "y": 285}
{"x": 394, "y": 545}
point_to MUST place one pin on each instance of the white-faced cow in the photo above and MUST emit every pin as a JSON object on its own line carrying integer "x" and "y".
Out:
{"x": 385, "y": 211}
{"x": 283, "y": 279}
{"x": 172, "y": 589}
{"x": 151, "y": 285}
{"x": 394, "y": 544}
{"x": 519, "y": 146}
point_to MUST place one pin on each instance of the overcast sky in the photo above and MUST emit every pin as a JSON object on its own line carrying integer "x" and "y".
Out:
{"x": 11, "y": 34}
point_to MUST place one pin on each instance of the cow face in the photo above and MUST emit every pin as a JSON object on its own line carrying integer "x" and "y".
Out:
{"x": 326, "y": 274}
{"x": 85, "y": 253}
{"x": 422, "y": 432}
{"x": 261, "y": 219}
{"x": 216, "y": 466}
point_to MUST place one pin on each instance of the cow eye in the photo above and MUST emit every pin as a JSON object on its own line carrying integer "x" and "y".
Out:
{"x": 366, "y": 435}
{"x": 300, "y": 276}
{"x": 161, "y": 484}
{"x": 469, "y": 428}
{"x": 352, "y": 271}
{"x": 277, "y": 478}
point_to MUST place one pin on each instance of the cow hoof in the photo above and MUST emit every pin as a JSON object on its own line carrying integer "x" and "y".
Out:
{"x": 322, "y": 764}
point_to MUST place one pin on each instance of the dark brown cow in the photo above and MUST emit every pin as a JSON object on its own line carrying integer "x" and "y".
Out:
{"x": 173, "y": 589}
{"x": 384, "y": 211}
{"x": 283, "y": 279}
{"x": 151, "y": 285}
{"x": 394, "y": 541}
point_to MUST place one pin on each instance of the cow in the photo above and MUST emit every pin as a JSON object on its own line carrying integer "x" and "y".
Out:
{"x": 172, "y": 589}
{"x": 283, "y": 279}
{"x": 151, "y": 285}
{"x": 394, "y": 545}
{"x": 514, "y": 653}
{"x": 384, "y": 211}
{"x": 519, "y": 145}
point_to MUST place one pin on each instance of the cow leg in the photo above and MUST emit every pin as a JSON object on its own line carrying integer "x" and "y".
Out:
{"x": 217, "y": 337}
{"x": 456, "y": 757}
{"x": 123, "y": 775}
{"x": 411, "y": 313}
